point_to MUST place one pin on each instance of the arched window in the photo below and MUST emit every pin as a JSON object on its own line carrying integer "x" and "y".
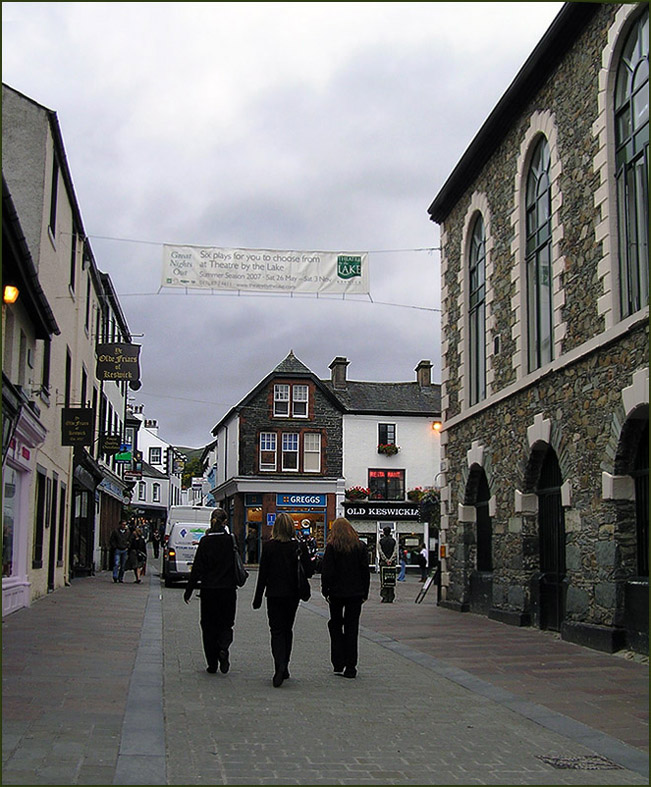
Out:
{"x": 538, "y": 258}
{"x": 632, "y": 154}
{"x": 477, "y": 311}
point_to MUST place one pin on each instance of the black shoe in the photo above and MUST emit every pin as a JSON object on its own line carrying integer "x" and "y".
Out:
{"x": 339, "y": 669}
{"x": 278, "y": 678}
{"x": 224, "y": 663}
{"x": 285, "y": 674}
{"x": 350, "y": 672}
{"x": 115, "y": 579}
{"x": 211, "y": 670}
{"x": 121, "y": 581}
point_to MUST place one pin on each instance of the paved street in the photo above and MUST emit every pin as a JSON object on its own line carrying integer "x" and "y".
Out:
{"x": 106, "y": 684}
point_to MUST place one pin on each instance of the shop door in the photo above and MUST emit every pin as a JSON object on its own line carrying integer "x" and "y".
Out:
{"x": 551, "y": 533}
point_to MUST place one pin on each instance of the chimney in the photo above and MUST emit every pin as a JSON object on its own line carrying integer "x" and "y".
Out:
{"x": 424, "y": 374}
{"x": 338, "y": 368}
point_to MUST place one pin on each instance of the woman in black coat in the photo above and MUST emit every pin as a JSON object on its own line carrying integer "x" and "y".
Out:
{"x": 345, "y": 580}
{"x": 278, "y": 580}
{"x": 214, "y": 567}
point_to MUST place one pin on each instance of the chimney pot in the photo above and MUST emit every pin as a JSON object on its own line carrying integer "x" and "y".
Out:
{"x": 338, "y": 369}
{"x": 424, "y": 374}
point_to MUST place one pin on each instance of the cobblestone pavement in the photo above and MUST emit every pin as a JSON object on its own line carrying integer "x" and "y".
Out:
{"x": 106, "y": 683}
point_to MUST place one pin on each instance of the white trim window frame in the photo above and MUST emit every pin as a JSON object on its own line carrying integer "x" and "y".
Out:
{"x": 155, "y": 455}
{"x": 312, "y": 452}
{"x": 268, "y": 451}
{"x": 289, "y": 452}
{"x": 281, "y": 400}
{"x": 300, "y": 401}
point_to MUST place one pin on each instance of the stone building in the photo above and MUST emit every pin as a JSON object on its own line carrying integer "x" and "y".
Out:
{"x": 544, "y": 235}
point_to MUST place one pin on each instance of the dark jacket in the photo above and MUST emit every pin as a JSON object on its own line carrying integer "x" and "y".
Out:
{"x": 345, "y": 574}
{"x": 278, "y": 570}
{"x": 120, "y": 539}
{"x": 214, "y": 562}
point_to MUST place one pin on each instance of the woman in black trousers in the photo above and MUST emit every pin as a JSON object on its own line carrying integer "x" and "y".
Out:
{"x": 345, "y": 580}
{"x": 278, "y": 576}
{"x": 214, "y": 567}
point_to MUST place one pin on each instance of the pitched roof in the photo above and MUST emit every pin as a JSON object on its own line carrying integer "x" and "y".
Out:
{"x": 291, "y": 365}
{"x": 388, "y": 398}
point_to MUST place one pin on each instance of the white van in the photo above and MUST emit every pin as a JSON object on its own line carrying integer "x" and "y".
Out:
{"x": 179, "y": 550}
{"x": 185, "y": 526}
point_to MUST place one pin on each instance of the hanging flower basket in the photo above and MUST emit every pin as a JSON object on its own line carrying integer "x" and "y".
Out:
{"x": 416, "y": 495}
{"x": 388, "y": 449}
{"x": 357, "y": 493}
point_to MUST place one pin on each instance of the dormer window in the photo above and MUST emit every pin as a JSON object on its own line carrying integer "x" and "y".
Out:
{"x": 291, "y": 401}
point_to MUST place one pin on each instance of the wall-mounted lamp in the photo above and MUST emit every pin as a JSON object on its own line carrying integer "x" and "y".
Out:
{"x": 10, "y": 294}
{"x": 437, "y": 426}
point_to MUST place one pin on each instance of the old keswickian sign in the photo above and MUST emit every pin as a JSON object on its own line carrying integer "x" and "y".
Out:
{"x": 382, "y": 510}
{"x": 118, "y": 361}
{"x": 77, "y": 425}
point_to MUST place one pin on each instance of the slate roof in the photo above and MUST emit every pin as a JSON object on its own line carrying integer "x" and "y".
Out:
{"x": 291, "y": 365}
{"x": 388, "y": 398}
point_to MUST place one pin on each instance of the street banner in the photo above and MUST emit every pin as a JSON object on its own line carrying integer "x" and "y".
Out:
{"x": 209, "y": 268}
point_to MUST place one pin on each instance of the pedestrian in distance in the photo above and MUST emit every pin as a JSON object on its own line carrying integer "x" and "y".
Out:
{"x": 387, "y": 557}
{"x": 119, "y": 542}
{"x": 278, "y": 581}
{"x": 402, "y": 576}
{"x": 137, "y": 554}
{"x": 214, "y": 568}
{"x": 345, "y": 581}
{"x": 423, "y": 561}
{"x": 155, "y": 541}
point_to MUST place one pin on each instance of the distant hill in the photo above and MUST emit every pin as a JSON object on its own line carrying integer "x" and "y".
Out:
{"x": 189, "y": 453}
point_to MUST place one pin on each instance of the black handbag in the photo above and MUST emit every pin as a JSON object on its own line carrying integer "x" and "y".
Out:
{"x": 241, "y": 574}
{"x": 304, "y": 591}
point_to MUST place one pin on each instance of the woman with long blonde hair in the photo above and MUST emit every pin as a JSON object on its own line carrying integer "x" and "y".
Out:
{"x": 345, "y": 581}
{"x": 278, "y": 580}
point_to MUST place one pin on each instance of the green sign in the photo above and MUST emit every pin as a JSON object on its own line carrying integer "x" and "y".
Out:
{"x": 349, "y": 266}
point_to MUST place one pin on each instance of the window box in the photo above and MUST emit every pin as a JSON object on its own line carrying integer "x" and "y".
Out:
{"x": 388, "y": 449}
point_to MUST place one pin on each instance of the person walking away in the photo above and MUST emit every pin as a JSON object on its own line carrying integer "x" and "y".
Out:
{"x": 403, "y": 565}
{"x": 345, "y": 581}
{"x": 155, "y": 541}
{"x": 387, "y": 556}
{"x": 119, "y": 542}
{"x": 278, "y": 581}
{"x": 214, "y": 567}
{"x": 137, "y": 554}
{"x": 423, "y": 561}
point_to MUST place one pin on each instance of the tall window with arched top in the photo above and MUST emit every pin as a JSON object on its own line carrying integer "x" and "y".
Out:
{"x": 538, "y": 258}
{"x": 632, "y": 162}
{"x": 477, "y": 311}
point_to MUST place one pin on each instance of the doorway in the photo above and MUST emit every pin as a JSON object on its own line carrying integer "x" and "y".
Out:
{"x": 551, "y": 538}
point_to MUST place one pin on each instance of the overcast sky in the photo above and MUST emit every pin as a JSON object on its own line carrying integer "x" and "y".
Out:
{"x": 302, "y": 126}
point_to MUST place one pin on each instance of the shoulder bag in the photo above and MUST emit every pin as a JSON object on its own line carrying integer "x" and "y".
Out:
{"x": 241, "y": 574}
{"x": 304, "y": 591}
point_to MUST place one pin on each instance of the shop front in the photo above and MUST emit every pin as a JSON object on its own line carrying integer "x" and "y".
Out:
{"x": 369, "y": 518}
{"x": 311, "y": 513}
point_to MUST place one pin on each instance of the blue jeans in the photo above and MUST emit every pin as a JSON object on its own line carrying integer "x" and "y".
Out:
{"x": 119, "y": 562}
{"x": 403, "y": 571}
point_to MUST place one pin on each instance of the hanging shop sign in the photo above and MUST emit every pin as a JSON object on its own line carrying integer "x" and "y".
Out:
{"x": 77, "y": 425}
{"x": 208, "y": 268}
{"x": 111, "y": 444}
{"x": 118, "y": 361}
{"x": 383, "y": 510}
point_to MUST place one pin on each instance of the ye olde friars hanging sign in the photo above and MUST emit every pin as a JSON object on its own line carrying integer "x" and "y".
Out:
{"x": 77, "y": 425}
{"x": 118, "y": 361}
